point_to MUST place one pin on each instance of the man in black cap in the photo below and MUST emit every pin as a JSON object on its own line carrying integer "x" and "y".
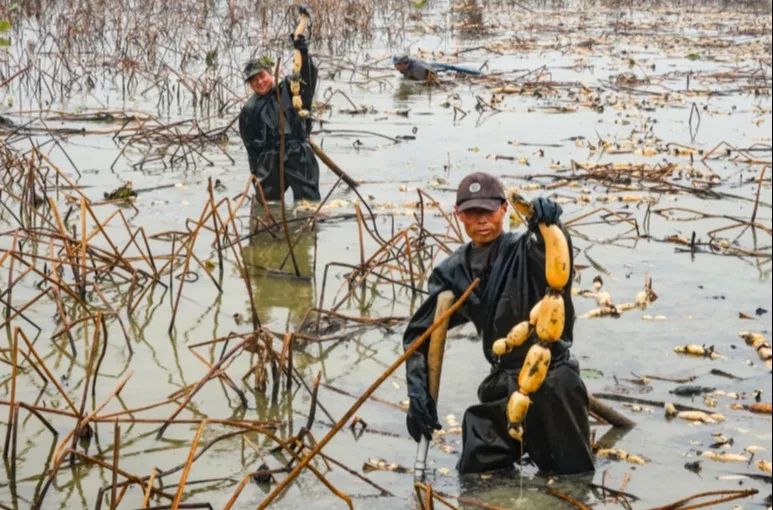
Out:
{"x": 259, "y": 128}
{"x": 511, "y": 268}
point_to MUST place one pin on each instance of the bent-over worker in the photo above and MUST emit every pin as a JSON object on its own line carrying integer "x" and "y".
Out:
{"x": 418, "y": 70}
{"x": 511, "y": 268}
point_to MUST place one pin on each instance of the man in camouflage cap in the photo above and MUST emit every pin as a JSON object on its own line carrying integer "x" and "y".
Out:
{"x": 259, "y": 128}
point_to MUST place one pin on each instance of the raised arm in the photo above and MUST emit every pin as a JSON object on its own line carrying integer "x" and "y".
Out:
{"x": 308, "y": 72}
{"x": 422, "y": 411}
{"x": 303, "y": 80}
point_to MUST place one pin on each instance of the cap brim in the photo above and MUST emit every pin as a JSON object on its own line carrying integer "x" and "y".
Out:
{"x": 256, "y": 72}
{"x": 489, "y": 204}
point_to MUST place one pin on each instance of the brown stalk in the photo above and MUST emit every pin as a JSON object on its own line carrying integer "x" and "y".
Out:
{"x": 83, "y": 244}
{"x": 282, "y": 182}
{"x": 431, "y": 493}
{"x": 187, "y": 469}
{"x": 220, "y": 374}
{"x": 219, "y": 247}
{"x": 285, "y": 446}
{"x": 133, "y": 478}
{"x": 116, "y": 455}
{"x": 149, "y": 487}
{"x": 50, "y": 376}
{"x": 190, "y": 241}
{"x": 239, "y": 256}
{"x": 62, "y": 449}
{"x": 199, "y": 384}
{"x": 724, "y": 496}
{"x": 12, "y": 405}
{"x": 757, "y": 194}
{"x": 360, "y": 221}
{"x": 341, "y": 422}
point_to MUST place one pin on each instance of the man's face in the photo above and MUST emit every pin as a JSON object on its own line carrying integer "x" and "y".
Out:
{"x": 262, "y": 83}
{"x": 402, "y": 66}
{"x": 482, "y": 225}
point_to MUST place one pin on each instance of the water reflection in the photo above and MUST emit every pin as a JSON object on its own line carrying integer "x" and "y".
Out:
{"x": 510, "y": 488}
{"x": 409, "y": 88}
{"x": 279, "y": 294}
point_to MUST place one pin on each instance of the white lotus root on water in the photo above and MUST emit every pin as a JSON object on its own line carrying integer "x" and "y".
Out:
{"x": 607, "y": 306}
{"x": 697, "y": 350}
{"x": 700, "y": 416}
{"x": 618, "y": 454}
{"x": 725, "y": 456}
{"x": 765, "y": 466}
{"x": 758, "y": 342}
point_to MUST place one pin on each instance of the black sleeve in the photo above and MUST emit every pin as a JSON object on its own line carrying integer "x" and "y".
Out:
{"x": 247, "y": 138}
{"x": 308, "y": 78}
{"x": 243, "y": 126}
{"x": 416, "y": 365}
{"x": 424, "y": 317}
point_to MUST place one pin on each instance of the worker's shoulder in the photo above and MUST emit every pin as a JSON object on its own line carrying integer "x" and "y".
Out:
{"x": 255, "y": 102}
{"x": 250, "y": 104}
{"x": 421, "y": 64}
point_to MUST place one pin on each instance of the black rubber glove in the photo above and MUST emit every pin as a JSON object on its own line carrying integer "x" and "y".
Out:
{"x": 299, "y": 43}
{"x": 422, "y": 417}
{"x": 422, "y": 412}
{"x": 545, "y": 211}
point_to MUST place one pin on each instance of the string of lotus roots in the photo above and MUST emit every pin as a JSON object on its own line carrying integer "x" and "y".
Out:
{"x": 546, "y": 318}
{"x": 295, "y": 78}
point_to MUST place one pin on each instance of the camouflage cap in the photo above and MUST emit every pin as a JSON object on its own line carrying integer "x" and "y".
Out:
{"x": 255, "y": 66}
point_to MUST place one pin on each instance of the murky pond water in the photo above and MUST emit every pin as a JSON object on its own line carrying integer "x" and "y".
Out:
{"x": 669, "y": 79}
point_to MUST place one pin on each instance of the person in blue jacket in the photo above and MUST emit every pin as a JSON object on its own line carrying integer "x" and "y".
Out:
{"x": 418, "y": 70}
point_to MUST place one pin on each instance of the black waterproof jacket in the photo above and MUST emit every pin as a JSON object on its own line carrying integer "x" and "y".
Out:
{"x": 557, "y": 433}
{"x": 515, "y": 282}
{"x": 259, "y": 130}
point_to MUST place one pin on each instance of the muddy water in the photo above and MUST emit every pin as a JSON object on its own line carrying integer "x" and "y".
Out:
{"x": 700, "y": 296}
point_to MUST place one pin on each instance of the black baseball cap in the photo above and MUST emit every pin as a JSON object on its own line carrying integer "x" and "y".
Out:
{"x": 480, "y": 190}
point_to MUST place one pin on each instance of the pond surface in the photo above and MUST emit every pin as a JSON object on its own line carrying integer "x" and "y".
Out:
{"x": 628, "y": 87}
